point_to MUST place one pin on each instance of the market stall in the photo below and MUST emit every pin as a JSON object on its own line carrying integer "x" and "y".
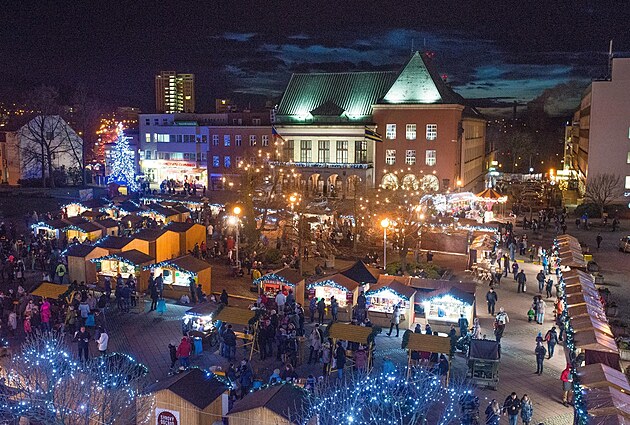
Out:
{"x": 52, "y": 229}
{"x": 597, "y": 347}
{"x": 74, "y": 209}
{"x": 245, "y": 319}
{"x": 109, "y": 225}
{"x": 176, "y": 274}
{"x": 362, "y": 335}
{"x": 160, "y": 244}
{"x": 600, "y": 375}
{"x": 282, "y": 280}
{"x": 344, "y": 289}
{"x": 83, "y": 231}
{"x": 199, "y": 321}
{"x": 124, "y": 263}
{"x": 443, "y": 307}
{"x": 607, "y": 401}
{"x": 160, "y": 214}
{"x": 114, "y": 244}
{"x": 80, "y": 268}
{"x": 190, "y": 234}
{"x": 388, "y": 292}
{"x": 480, "y": 250}
{"x": 182, "y": 210}
{"x": 278, "y": 404}
{"x": 415, "y": 342}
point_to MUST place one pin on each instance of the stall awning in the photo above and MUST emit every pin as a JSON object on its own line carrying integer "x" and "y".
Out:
{"x": 352, "y": 333}
{"x": 599, "y": 375}
{"x": 607, "y": 400}
{"x": 133, "y": 257}
{"x": 205, "y": 309}
{"x": 337, "y": 280}
{"x": 431, "y": 343}
{"x": 187, "y": 263}
{"x": 392, "y": 284}
{"x": 49, "y": 290}
{"x": 286, "y": 276}
{"x": 465, "y": 297}
{"x": 236, "y": 316}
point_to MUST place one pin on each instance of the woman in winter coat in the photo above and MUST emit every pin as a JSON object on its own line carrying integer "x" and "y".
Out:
{"x": 361, "y": 359}
{"x": 527, "y": 409}
{"x": 540, "y": 311}
{"x": 493, "y": 413}
{"x": 45, "y": 316}
{"x": 183, "y": 352}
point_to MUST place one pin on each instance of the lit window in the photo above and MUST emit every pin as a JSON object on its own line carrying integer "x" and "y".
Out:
{"x": 410, "y": 132}
{"x": 342, "y": 151}
{"x": 323, "y": 151}
{"x": 215, "y": 140}
{"x": 238, "y": 140}
{"x": 147, "y": 137}
{"x": 390, "y": 132}
{"x": 239, "y": 160}
{"x": 252, "y": 140}
{"x": 265, "y": 140}
{"x": 628, "y": 159}
{"x": 226, "y": 140}
{"x": 216, "y": 161}
{"x": 227, "y": 161}
{"x": 410, "y": 157}
{"x": 431, "y": 131}
{"x": 430, "y": 158}
{"x": 390, "y": 156}
{"x": 627, "y": 182}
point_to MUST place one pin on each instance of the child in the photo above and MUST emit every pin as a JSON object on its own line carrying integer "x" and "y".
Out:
{"x": 530, "y": 314}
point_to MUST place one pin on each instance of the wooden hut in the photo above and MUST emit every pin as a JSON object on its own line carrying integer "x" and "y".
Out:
{"x": 125, "y": 263}
{"x": 607, "y": 400}
{"x": 160, "y": 213}
{"x": 114, "y": 244}
{"x": 599, "y": 375}
{"x": 444, "y": 306}
{"x": 93, "y": 215}
{"x": 74, "y": 209}
{"x": 388, "y": 292}
{"x": 194, "y": 397}
{"x": 189, "y": 235}
{"x": 83, "y": 231}
{"x": 160, "y": 244}
{"x": 182, "y": 210}
{"x": 50, "y": 229}
{"x": 109, "y": 226}
{"x": 285, "y": 279}
{"x": 130, "y": 223}
{"x": 80, "y": 268}
{"x": 177, "y": 272}
{"x": 278, "y": 404}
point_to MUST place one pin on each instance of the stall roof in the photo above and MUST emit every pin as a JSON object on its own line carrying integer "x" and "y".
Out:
{"x": 292, "y": 276}
{"x": 205, "y": 309}
{"x": 180, "y": 208}
{"x": 607, "y": 400}
{"x": 148, "y": 234}
{"x": 165, "y": 211}
{"x": 133, "y": 256}
{"x": 114, "y": 242}
{"x": 236, "y": 316}
{"x": 609, "y": 419}
{"x": 130, "y": 207}
{"x": 431, "y": 343}
{"x": 600, "y": 375}
{"x": 53, "y": 224}
{"x": 347, "y": 332}
{"x": 49, "y": 290}
{"x": 189, "y": 263}
{"x": 92, "y": 214}
{"x": 454, "y": 291}
{"x": 180, "y": 227}
{"x": 394, "y": 283}
{"x": 361, "y": 273}
{"x": 337, "y": 278}
{"x": 196, "y": 386}
{"x": 584, "y": 323}
{"x": 107, "y": 223}
{"x": 79, "y": 250}
{"x": 85, "y": 227}
{"x": 132, "y": 218}
{"x": 280, "y": 399}
{"x": 596, "y": 341}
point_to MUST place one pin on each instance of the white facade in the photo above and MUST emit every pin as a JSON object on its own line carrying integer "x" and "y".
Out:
{"x": 47, "y": 139}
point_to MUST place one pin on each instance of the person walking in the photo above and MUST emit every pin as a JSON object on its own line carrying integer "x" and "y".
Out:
{"x": 102, "y": 341}
{"x": 566, "y": 377}
{"x": 540, "y": 310}
{"x": 540, "y": 278}
{"x": 549, "y": 287}
{"x": 82, "y": 336}
{"x": 224, "y": 298}
{"x": 506, "y": 265}
{"x": 394, "y": 321}
{"x": 514, "y": 269}
{"x": 552, "y": 339}
{"x": 321, "y": 310}
{"x": 598, "y": 239}
{"x": 499, "y": 324}
{"x": 521, "y": 280}
{"x": 334, "y": 308}
{"x": 540, "y": 353}
{"x": 316, "y": 340}
{"x": 281, "y": 300}
{"x": 312, "y": 306}
{"x": 245, "y": 377}
{"x": 340, "y": 359}
{"x": 493, "y": 413}
{"x": 155, "y": 295}
{"x": 511, "y": 407}
{"x": 491, "y": 299}
{"x": 527, "y": 409}
{"x": 462, "y": 322}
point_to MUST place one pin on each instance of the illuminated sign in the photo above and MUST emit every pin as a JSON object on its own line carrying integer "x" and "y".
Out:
{"x": 166, "y": 417}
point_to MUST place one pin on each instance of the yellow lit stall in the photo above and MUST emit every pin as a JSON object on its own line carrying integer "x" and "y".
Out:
{"x": 125, "y": 263}
{"x": 177, "y": 272}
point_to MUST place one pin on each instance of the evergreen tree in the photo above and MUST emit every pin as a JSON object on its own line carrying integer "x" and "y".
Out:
{"x": 123, "y": 167}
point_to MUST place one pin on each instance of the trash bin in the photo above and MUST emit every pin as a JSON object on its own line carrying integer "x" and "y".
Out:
{"x": 198, "y": 345}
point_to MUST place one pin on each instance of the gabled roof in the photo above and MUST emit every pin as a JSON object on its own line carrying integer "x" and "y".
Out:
{"x": 134, "y": 257}
{"x": 54, "y": 224}
{"x": 190, "y": 263}
{"x": 352, "y": 92}
{"x": 180, "y": 208}
{"x": 419, "y": 82}
{"x": 361, "y": 273}
{"x": 107, "y": 223}
{"x": 86, "y": 227}
{"x": 165, "y": 211}
{"x": 79, "y": 250}
{"x": 75, "y": 220}
{"x": 114, "y": 242}
{"x": 280, "y": 399}
{"x": 197, "y": 387}
{"x": 148, "y": 234}
{"x": 180, "y": 227}
{"x": 395, "y": 283}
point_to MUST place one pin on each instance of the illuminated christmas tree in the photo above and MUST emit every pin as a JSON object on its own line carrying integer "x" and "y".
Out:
{"x": 123, "y": 164}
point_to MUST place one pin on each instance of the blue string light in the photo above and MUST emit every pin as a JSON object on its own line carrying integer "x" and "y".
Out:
{"x": 123, "y": 163}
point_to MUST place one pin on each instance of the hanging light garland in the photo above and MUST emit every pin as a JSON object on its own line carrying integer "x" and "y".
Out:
{"x": 328, "y": 282}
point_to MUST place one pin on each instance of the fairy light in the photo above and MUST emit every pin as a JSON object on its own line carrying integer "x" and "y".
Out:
{"x": 123, "y": 166}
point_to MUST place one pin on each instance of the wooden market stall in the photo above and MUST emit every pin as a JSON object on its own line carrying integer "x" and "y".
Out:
{"x": 384, "y": 295}
{"x": 244, "y": 318}
{"x": 344, "y": 289}
{"x": 80, "y": 268}
{"x": 189, "y": 235}
{"x": 93, "y": 215}
{"x": 160, "y": 244}
{"x": 50, "y": 229}
{"x": 284, "y": 279}
{"x": 177, "y": 272}
{"x": 599, "y": 375}
{"x": 277, "y": 404}
{"x": 159, "y": 213}
{"x": 125, "y": 263}
{"x": 193, "y": 397}
{"x": 429, "y": 343}
{"x": 115, "y": 244}
{"x": 109, "y": 226}
{"x": 74, "y": 209}
{"x": 49, "y": 290}
{"x": 607, "y": 400}
{"x": 356, "y": 334}
{"x": 597, "y": 348}
{"x": 444, "y": 306}
{"x": 83, "y": 231}
{"x": 182, "y": 210}
{"x": 130, "y": 223}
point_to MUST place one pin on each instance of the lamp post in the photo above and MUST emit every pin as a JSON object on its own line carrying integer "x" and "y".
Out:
{"x": 236, "y": 221}
{"x": 385, "y": 225}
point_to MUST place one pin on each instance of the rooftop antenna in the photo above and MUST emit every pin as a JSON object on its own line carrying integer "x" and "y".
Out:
{"x": 412, "y": 50}
{"x": 610, "y": 59}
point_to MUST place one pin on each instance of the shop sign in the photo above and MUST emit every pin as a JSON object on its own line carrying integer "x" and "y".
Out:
{"x": 179, "y": 164}
{"x": 166, "y": 417}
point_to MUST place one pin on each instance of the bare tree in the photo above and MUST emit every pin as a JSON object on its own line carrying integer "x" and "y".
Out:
{"x": 86, "y": 114}
{"x": 602, "y": 189}
{"x": 44, "y": 384}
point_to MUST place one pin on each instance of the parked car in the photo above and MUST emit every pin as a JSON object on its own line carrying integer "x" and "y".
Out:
{"x": 624, "y": 244}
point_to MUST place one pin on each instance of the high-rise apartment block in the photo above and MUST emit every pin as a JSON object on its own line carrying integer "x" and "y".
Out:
{"x": 174, "y": 93}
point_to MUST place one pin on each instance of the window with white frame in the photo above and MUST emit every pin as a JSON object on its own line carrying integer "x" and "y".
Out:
{"x": 252, "y": 140}
{"x": 226, "y": 140}
{"x": 215, "y": 140}
{"x": 305, "y": 150}
{"x": 390, "y": 156}
{"x": 238, "y": 140}
{"x": 342, "y": 151}
{"x": 430, "y": 158}
{"x": 239, "y": 161}
{"x": 163, "y": 138}
{"x": 431, "y": 131}
{"x": 410, "y": 157}
{"x": 410, "y": 132}
{"x": 265, "y": 140}
{"x": 216, "y": 161}
{"x": 323, "y": 151}
{"x": 390, "y": 131}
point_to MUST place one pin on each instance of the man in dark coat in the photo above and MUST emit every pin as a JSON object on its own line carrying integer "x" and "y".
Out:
{"x": 491, "y": 299}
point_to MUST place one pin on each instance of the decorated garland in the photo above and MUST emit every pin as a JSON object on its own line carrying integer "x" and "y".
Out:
{"x": 327, "y": 282}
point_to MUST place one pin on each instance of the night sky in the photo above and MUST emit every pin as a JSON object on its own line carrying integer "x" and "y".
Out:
{"x": 500, "y": 50}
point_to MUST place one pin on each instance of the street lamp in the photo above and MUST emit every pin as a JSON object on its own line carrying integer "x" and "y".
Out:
{"x": 385, "y": 225}
{"x": 234, "y": 220}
